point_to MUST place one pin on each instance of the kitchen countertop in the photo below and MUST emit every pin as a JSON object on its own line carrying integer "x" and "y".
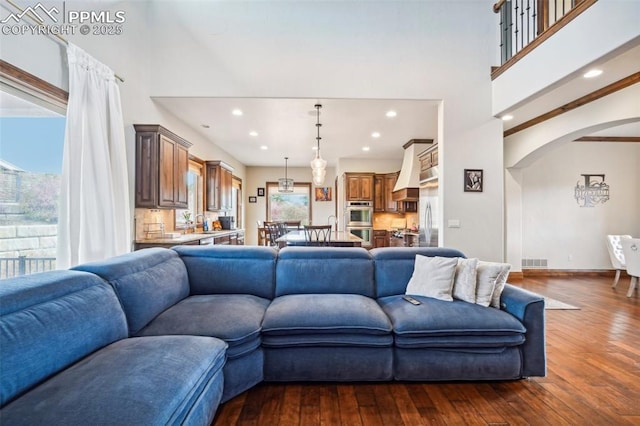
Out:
{"x": 337, "y": 238}
{"x": 187, "y": 238}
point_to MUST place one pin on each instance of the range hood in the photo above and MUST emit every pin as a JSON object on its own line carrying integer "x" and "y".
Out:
{"x": 408, "y": 184}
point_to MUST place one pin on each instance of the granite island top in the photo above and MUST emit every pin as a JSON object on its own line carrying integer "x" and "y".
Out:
{"x": 188, "y": 238}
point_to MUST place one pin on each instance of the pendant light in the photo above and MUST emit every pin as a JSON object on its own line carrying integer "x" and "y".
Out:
{"x": 285, "y": 184}
{"x": 318, "y": 165}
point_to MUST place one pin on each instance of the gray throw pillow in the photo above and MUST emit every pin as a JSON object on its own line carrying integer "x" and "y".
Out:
{"x": 464, "y": 284}
{"x": 489, "y": 276}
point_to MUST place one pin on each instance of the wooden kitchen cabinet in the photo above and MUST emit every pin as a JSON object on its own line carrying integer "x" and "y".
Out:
{"x": 359, "y": 186}
{"x": 428, "y": 163}
{"x": 219, "y": 178}
{"x": 383, "y": 189}
{"x": 378, "y": 193}
{"x": 380, "y": 238}
{"x": 162, "y": 165}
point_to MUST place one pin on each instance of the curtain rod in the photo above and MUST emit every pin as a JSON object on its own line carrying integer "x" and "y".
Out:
{"x": 59, "y": 38}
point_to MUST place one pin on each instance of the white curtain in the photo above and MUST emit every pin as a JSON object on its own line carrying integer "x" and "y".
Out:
{"x": 94, "y": 215}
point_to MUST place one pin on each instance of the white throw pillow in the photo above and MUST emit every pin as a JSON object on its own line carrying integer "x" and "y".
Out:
{"x": 464, "y": 284}
{"x": 489, "y": 276}
{"x": 433, "y": 277}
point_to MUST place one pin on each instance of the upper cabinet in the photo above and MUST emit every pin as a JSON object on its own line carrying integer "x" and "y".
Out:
{"x": 162, "y": 165}
{"x": 383, "y": 188}
{"x": 219, "y": 186}
{"x": 429, "y": 164}
{"x": 359, "y": 186}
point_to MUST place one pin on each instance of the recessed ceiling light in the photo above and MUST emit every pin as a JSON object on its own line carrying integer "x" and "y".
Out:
{"x": 264, "y": 147}
{"x": 391, "y": 113}
{"x": 366, "y": 148}
{"x": 206, "y": 126}
{"x": 253, "y": 133}
{"x": 375, "y": 135}
{"x": 507, "y": 117}
{"x": 237, "y": 112}
{"x": 592, "y": 73}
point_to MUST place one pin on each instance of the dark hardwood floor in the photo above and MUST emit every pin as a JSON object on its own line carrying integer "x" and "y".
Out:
{"x": 593, "y": 358}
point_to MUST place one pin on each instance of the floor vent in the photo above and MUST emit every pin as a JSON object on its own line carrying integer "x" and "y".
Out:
{"x": 534, "y": 263}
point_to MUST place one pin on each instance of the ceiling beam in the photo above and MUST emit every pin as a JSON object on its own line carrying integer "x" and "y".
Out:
{"x": 608, "y": 139}
{"x": 590, "y": 97}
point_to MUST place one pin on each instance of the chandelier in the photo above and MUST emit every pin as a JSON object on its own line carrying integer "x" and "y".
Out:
{"x": 285, "y": 184}
{"x": 318, "y": 165}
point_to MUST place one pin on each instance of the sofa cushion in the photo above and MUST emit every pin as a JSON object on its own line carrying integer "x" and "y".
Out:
{"x": 234, "y": 318}
{"x": 433, "y": 277}
{"x": 393, "y": 266}
{"x": 325, "y": 314}
{"x": 135, "y": 381}
{"x": 453, "y": 324}
{"x": 308, "y": 270}
{"x": 449, "y": 365}
{"x": 146, "y": 281}
{"x": 49, "y": 321}
{"x": 327, "y": 339}
{"x": 224, "y": 269}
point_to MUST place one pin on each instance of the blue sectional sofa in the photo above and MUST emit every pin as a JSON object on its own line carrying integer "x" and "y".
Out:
{"x": 163, "y": 336}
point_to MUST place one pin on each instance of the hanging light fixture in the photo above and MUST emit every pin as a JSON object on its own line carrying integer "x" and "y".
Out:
{"x": 318, "y": 165}
{"x": 285, "y": 184}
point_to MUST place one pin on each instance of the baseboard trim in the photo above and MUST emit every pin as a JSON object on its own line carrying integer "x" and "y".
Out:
{"x": 568, "y": 273}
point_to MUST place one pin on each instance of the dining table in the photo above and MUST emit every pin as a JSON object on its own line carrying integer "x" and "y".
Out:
{"x": 338, "y": 239}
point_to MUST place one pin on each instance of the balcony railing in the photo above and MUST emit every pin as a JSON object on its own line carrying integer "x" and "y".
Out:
{"x": 23, "y": 265}
{"x": 524, "y": 22}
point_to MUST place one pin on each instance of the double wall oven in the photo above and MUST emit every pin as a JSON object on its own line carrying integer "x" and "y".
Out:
{"x": 359, "y": 220}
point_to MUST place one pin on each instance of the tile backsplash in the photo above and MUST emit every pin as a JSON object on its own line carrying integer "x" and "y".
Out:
{"x": 150, "y": 222}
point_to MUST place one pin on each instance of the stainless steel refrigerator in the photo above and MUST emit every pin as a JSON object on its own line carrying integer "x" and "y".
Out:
{"x": 428, "y": 214}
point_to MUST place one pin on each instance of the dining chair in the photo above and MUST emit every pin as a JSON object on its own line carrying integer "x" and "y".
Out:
{"x": 616, "y": 255}
{"x": 282, "y": 229}
{"x": 272, "y": 231}
{"x": 631, "y": 250}
{"x": 317, "y": 235}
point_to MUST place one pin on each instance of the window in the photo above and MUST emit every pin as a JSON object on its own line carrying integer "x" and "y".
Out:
{"x": 32, "y": 127}
{"x": 289, "y": 206}
{"x": 195, "y": 195}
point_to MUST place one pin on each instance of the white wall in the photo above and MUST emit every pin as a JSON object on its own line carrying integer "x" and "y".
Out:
{"x": 618, "y": 108}
{"x": 524, "y": 148}
{"x": 555, "y": 227}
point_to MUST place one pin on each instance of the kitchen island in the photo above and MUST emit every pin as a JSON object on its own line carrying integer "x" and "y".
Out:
{"x": 228, "y": 236}
{"x": 338, "y": 239}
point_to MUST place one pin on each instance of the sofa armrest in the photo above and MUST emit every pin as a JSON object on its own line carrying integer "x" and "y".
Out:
{"x": 528, "y": 307}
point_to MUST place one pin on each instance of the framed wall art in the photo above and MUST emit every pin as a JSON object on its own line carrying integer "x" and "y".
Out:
{"x": 253, "y": 199}
{"x": 473, "y": 180}
{"x": 260, "y": 192}
{"x": 323, "y": 193}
